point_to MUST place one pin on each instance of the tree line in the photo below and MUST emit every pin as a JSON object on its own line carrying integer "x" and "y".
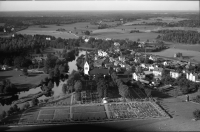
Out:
{"x": 180, "y": 36}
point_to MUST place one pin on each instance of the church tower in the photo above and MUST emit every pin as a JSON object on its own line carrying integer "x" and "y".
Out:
{"x": 86, "y": 65}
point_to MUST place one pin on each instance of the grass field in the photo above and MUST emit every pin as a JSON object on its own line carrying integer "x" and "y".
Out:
{"x": 130, "y": 36}
{"x": 187, "y": 54}
{"x": 192, "y": 47}
{"x": 51, "y": 29}
{"x": 164, "y": 19}
{"x": 21, "y": 81}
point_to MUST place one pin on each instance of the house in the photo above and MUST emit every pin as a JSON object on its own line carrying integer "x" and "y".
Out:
{"x": 98, "y": 63}
{"x": 4, "y": 67}
{"x": 122, "y": 58}
{"x": 194, "y": 77}
{"x": 165, "y": 63}
{"x": 174, "y": 74}
{"x": 143, "y": 65}
{"x": 157, "y": 71}
{"x": 48, "y": 38}
{"x": 86, "y": 40}
{"x": 122, "y": 65}
{"x": 116, "y": 44}
{"x": 108, "y": 65}
{"x": 108, "y": 39}
{"x": 138, "y": 76}
{"x": 151, "y": 67}
{"x": 102, "y": 53}
{"x": 116, "y": 63}
{"x": 111, "y": 59}
{"x": 176, "y": 55}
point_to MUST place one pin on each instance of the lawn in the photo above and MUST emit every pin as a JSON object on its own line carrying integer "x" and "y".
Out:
{"x": 21, "y": 81}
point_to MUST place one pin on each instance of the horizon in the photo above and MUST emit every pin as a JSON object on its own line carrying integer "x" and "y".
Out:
{"x": 97, "y": 5}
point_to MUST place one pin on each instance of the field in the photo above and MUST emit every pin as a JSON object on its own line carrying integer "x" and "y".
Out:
{"x": 164, "y": 19}
{"x": 51, "y": 30}
{"x": 187, "y": 54}
{"x": 135, "y": 110}
{"x": 21, "y": 81}
{"x": 130, "y": 36}
{"x": 93, "y": 112}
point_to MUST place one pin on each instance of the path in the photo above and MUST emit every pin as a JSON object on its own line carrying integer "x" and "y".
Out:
{"x": 107, "y": 110}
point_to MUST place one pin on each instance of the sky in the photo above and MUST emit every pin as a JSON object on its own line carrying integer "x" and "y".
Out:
{"x": 97, "y": 5}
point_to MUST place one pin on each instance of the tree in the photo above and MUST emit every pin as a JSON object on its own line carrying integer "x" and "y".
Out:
{"x": 78, "y": 86}
{"x": 50, "y": 85}
{"x": 64, "y": 88}
{"x": 3, "y": 114}
{"x": 25, "y": 71}
{"x": 87, "y": 32}
{"x": 102, "y": 88}
{"x": 26, "y": 105}
{"x": 78, "y": 96}
{"x": 35, "y": 101}
{"x": 15, "y": 108}
{"x": 51, "y": 74}
{"x": 56, "y": 72}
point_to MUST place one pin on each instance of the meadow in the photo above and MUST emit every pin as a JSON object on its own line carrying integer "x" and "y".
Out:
{"x": 51, "y": 30}
{"x": 189, "y": 54}
{"x": 163, "y": 19}
{"x": 130, "y": 36}
{"x": 22, "y": 81}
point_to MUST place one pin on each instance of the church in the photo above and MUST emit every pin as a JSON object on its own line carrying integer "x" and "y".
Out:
{"x": 86, "y": 65}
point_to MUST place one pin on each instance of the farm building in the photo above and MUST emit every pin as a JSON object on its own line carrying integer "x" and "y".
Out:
{"x": 177, "y": 55}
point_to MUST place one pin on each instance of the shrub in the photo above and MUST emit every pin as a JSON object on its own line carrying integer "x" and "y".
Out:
{"x": 197, "y": 99}
{"x": 196, "y": 114}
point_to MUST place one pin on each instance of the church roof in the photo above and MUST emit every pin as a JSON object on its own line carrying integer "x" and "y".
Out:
{"x": 99, "y": 71}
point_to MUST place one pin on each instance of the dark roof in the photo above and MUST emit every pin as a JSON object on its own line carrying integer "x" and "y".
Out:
{"x": 99, "y": 71}
{"x": 158, "y": 69}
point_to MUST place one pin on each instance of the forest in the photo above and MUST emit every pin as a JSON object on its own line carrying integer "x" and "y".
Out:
{"x": 179, "y": 36}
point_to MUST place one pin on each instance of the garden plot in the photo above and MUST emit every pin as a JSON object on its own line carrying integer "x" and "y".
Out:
{"x": 62, "y": 114}
{"x": 86, "y": 109}
{"x": 45, "y": 117}
{"x": 29, "y": 116}
{"x": 88, "y": 113}
{"x": 138, "y": 110}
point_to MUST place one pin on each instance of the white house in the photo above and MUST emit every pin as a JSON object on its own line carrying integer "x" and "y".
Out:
{"x": 116, "y": 44}
{"x": 102, "y": 53}
{"x": 122, "y": 65}
{"x": 108, "y": 39}
{"x": 165, "y": 63}
{"x": 137, "y": 76}
{"x": 143, "y": 65}
{"x": 175, "y": 74}
{"x": 151, "y": 67}
{"x": 122, "y": 58}
{"x": 157, "y": 71}
{"x": 194, "y": 77}
{"x": 48, "y": 38}
{"x": 4, "y": 67}
{"x": 86, "y": 40}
